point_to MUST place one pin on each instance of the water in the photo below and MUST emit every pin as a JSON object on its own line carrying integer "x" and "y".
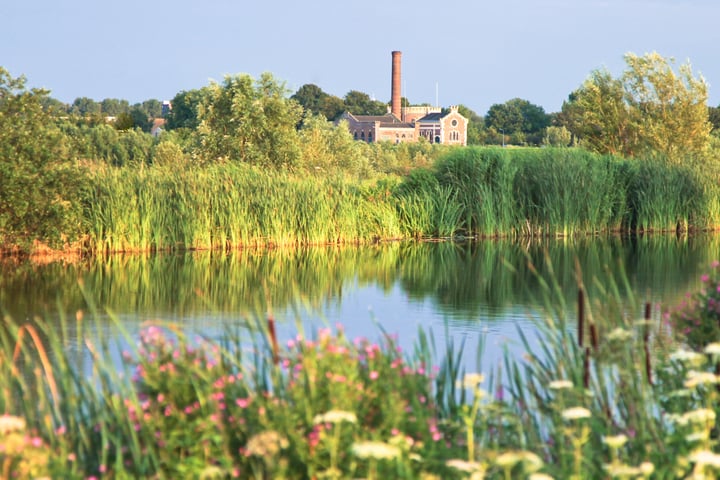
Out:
{"x": 459, "y": 292}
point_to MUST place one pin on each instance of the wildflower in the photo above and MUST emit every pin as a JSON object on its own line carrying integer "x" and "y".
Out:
{"x": 266, "y": 444}
{"x": 464, "y": 465}
{"x": 646, "y": 468}
{"x": 695, "y": 378}
{"x": 712, "y": 348}
{"x": 619, "y": 334}
{"x": 374, "y": 375}
{"x": 9, "y": 424}
{"x": 615, "y": 441}
{"x": 560, "y": 384}
{"x": 699, "y": 416}
{"x": 687, "y": 356}
{"x": 621, "y": 470}
{"x": 540, "y": 476}
{"x": 377, "y": 450}
{"x": 472, "y": 380}
{"x": 705, "y": 457}
{"x": 700, "y": 436}
{"x": 529, "y": 460}
{"x": 576, "y": 413}
{"x": 335, "y": 416}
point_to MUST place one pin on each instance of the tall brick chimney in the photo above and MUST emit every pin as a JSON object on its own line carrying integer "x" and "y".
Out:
{"x": 396, "y": 92}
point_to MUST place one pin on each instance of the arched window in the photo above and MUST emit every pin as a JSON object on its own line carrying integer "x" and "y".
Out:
{"x": 454, "y": 136}
{"x": 355, "y": 135}
{"x": 437, "y": 138}
{"x": 362, "y": 136}
{"x": 370, "y": 137}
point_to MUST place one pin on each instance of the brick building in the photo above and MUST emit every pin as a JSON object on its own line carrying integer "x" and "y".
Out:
{"x": 408, "y": 124}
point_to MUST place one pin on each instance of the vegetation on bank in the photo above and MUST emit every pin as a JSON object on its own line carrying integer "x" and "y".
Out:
{"x": 251, "y": 167}
{"x": 623, "y": 395}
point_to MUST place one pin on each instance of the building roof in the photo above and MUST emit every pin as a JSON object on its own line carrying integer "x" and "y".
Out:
{"x": 432, "y": 117}
{"x": 386, "y": 121}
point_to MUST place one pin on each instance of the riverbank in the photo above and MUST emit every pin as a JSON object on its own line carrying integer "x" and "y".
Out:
{"x": 469, "y": 192}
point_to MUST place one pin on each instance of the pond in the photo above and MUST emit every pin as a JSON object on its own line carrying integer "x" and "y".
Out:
{"x": 463, "y": 292}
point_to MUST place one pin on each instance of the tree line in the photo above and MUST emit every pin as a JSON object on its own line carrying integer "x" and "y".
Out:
{"x": 652, "y": 110}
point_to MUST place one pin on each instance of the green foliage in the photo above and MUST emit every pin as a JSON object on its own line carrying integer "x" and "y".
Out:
{"x": 359, "y": 103}
{"x": 184, "y": 113}
{"x": 39, "y": 188}
{"x": 696, "y": 321}
{"x": 520, "y": 118}
{"x": 315, "y": 101}
{"x": 249, "y": 121}
{"x": 650, "y": 110}
{"x": 249, "y": 405}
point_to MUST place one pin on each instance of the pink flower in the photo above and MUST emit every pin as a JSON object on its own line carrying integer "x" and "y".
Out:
{"x": 704, "y": 278}
{"x": 374, "y": 375}
{"x": 242, "y": 402}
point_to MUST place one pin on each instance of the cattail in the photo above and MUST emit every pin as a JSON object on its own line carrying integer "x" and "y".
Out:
{"x": 273, "y": 339}
{"x": 586, "y": 368}
{"x": 581, "y": 316}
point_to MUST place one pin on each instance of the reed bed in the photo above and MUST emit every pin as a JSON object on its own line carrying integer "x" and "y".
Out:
{"x": 471, "y": 192}
{"x": 613, "y": 391}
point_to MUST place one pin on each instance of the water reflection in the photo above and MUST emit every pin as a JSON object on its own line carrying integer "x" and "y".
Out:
{"x": 398, "y": 285}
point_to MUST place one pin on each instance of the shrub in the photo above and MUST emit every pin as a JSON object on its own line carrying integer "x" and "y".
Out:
{"x": 696, "y": 321}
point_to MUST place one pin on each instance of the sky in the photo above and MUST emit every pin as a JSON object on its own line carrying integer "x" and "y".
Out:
{"x": 477, "y": 53}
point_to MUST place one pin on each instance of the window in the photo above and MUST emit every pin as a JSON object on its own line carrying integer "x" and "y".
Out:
{"x": 437, "y": 138}
{"x": 370, "y": 137}
{"x": 454, "y": 136}
{"x": 362, "y": 136}
{"x": 454, "y": 122}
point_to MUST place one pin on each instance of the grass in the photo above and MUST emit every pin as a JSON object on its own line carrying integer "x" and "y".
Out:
{"x": 627, "y": 398}
{"x": 475, "y": 192}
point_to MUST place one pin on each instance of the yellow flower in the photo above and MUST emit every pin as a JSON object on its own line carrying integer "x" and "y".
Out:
{"x": 10, "y": 423}
{"x": 701, "y": 415}
{"x": 560, "y": 384}
{"x": 687, "y": 356}
{"x": 615, "y": 441}
{"x": 695, "y": 378}
{"x": 472, "y": 380}
{"x": 378, "y": 450}
{"x": 712, "y": 348}
{"x": 705, "y": 457}
{"x": 335, "y": 416}
{"x": 464, "y": 465}
{"x": 540, "y": 476}
{"x": 576, "y": 413}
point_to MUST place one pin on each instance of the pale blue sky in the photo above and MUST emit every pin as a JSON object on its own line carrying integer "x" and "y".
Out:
{"x": 476, "y": 53}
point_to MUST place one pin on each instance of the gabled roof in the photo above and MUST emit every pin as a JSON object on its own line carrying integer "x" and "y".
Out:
{"x": 431, "y": 117}
{"x": 386, "y": 121}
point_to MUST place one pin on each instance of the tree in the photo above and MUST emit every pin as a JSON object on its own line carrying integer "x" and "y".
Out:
{"x": 314, "y": 100}
{"x": 359, "y": 103}
{"x": 39, "y": 196}
{"x": 152, "y": 108}
{"x": 519, "y": 118}
{"x": 85, "y": 106}
{"x": 112, "y": 107}
{"x": 598, "y": 116}
{"x": 184, "y": 113}
{"x": 650, "y": 109}
{"x": 476, "y": 125}
{"x": 250, "y": 121}
{"x": 714, "y": 118}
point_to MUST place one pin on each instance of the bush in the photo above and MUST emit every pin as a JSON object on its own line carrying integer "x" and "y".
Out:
{"x": 696, "y": 321}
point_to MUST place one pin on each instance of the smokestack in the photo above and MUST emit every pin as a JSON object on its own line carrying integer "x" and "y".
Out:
{"x": 396, "y": 99}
